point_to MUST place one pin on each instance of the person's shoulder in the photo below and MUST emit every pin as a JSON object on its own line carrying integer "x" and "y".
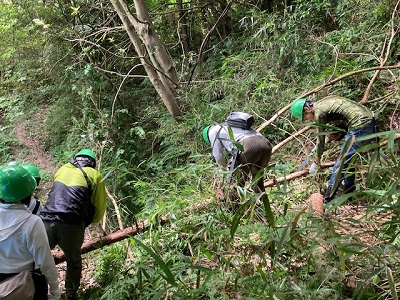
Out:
{"x": 92, "y": 171}
{"x": 67, "y": 165}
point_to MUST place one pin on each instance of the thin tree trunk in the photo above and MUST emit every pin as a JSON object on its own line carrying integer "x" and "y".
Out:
{"x": 322, "y": 86}
{"x": 159, "y": 56}
{"x": 384, "y": 60}
{"x": 182, "y": 24}
{"x": 292, "y": 176}
{"x": 161, "y": 81}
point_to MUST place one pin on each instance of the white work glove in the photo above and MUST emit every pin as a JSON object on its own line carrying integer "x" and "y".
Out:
{"x": 313, "y": 168}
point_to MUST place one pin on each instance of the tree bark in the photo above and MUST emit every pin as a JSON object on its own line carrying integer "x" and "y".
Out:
{"x": 183, "y": 37}
{"x": 159, "y": 67}
{"x": 159, "y": 56}
{"x": 110, "y": 239}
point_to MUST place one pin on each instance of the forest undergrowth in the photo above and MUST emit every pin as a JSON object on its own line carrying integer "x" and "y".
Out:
{"x": 56, "y": 97}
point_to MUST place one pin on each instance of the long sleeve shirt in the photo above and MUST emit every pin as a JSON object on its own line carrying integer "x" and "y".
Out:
{"x": 334, "y": 108}
{"x": 23, "y": 241}
{"x": 222, "y": 144}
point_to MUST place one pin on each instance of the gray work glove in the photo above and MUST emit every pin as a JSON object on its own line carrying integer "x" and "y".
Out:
{"x": 313, "y": 168}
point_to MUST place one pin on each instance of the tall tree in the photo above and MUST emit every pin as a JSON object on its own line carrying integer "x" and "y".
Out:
{"x": 153, "y": 55}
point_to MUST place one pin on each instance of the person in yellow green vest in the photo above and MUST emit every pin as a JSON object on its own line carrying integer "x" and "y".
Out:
{"x": 77, "y": 199}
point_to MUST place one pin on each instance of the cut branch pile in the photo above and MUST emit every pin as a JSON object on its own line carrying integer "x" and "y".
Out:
{"x": 110, "y": 238}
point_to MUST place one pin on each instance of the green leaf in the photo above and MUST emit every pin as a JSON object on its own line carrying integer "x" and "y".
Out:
{"x": 169, "y": 277}
{"x": 268, "y": 210}
{"x": 392, "y": 284}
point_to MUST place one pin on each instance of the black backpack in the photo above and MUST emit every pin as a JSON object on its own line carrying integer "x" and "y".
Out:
{"x": 240, "y": 119}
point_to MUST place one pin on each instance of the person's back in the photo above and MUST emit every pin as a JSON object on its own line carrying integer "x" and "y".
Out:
{"x": 23, "y": 239}
{"x": 252, "y": 155}
{"x": 69, "y": 200}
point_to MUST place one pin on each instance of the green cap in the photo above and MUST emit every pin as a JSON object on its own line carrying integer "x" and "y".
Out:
{"x": 32, "y": 170}
{"x": 86, "y": 152}
{"x": 16, "y": 184}
{"x": 297, "y": 108}
{"x": 205, "y": 134}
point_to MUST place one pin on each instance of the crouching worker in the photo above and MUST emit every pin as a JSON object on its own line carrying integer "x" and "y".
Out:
{"x": 360, "y": 122}
{"x": 77, "y": 199}
{"x": 253, "y": 155}
{"x": 24, "y": 246}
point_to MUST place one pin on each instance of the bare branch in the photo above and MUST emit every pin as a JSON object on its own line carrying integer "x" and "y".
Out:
{"x": 383, "y": 62}
{"x": 322, "y": 86}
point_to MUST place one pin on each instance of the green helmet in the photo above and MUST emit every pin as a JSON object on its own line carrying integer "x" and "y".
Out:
{"x": 86, "y": 152}
{"x": 205, "y": 134}
{"x": 32, "y": 170}
{"x": 297, "y": 108}
{"x": 16, "y": 184}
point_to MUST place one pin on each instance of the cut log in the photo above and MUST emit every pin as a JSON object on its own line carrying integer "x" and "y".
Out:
{"x": 110, "y": 239}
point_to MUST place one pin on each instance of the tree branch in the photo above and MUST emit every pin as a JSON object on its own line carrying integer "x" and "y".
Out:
{"x": 383, "y": 62}
{"x": 322, "y": 86}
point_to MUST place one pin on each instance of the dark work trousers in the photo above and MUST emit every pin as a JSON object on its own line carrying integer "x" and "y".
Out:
{"x": 254, "y": 158}
{"x": 70, "y": 239}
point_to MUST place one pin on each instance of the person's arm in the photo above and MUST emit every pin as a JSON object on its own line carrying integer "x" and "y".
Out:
{"x": 320, "y": 148}
{"x": 320, "y": 118}
{"x": 218, "y": 153}
{"x": 215, "y": 134}
{"x": 38, "y": 245}
{"x": 99, "y": 199}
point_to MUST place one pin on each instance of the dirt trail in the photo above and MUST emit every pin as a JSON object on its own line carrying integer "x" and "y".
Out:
{"x": 32, "y": 150}
{"x": 32, "y": 139}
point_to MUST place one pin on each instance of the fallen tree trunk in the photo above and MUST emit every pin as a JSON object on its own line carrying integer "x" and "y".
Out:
{"x": 110, "y": 239}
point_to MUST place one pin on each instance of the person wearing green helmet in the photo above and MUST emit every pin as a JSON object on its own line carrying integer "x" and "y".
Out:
{"x": 76, "y": 199}
{"x": 34, "y": 205}
{"x": 359, "y": 121}
{"x": 249, "y": 150}
{"x": 23, "y": 238}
